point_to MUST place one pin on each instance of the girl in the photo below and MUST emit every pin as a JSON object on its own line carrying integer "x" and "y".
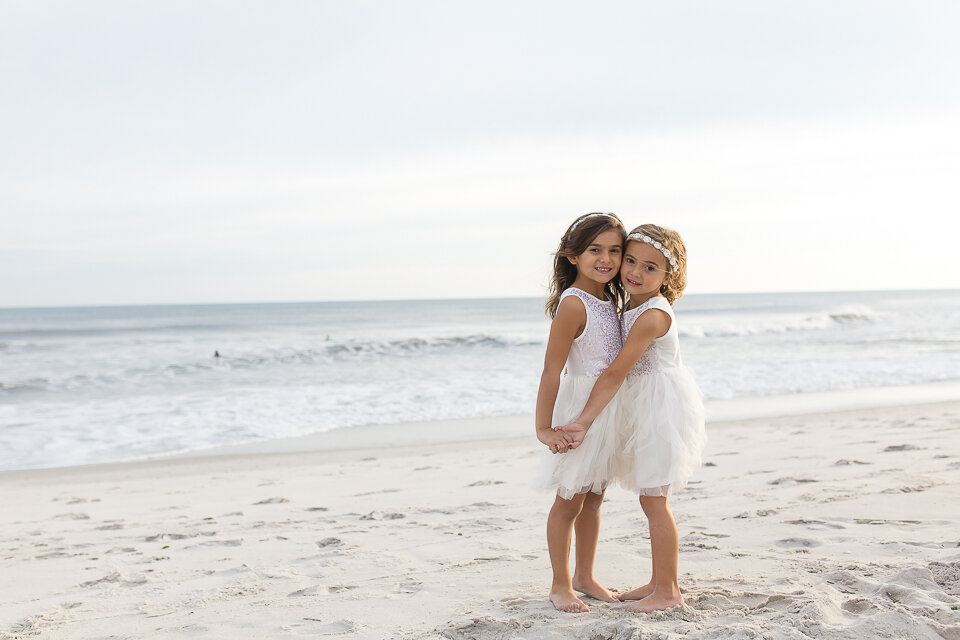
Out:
{"x": 661, "y": 410}
{"x": 584, "y": 339}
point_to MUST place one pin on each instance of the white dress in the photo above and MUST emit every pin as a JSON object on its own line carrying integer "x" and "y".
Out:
{"x": 593, "y": 464}
{"x": 661, "y": 416}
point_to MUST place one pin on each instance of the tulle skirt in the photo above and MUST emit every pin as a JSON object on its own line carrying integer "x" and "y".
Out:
{"x": 661, "y": 431}
{"x": 593, "y": 465}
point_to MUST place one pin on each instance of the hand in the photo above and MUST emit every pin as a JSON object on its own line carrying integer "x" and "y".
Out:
{"x": 556, "y": 441}
{"x": 575, "y": 431}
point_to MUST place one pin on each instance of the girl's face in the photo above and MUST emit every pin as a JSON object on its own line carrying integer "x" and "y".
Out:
{"x": 644, "y": 270}
{"x": 602, "y": 258}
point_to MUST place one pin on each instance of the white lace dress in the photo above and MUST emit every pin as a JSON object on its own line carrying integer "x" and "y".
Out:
{"x": 661, "y": 419}
{"x": 592, "y": 465}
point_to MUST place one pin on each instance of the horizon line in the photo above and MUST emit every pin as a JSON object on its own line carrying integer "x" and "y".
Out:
{"x": 452, "y": 299}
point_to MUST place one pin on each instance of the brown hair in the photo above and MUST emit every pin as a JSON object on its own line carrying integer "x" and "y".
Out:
{"x": 578, "y": 236}
{"x": 676, "y": 281}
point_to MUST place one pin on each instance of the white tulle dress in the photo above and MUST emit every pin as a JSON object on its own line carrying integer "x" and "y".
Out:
{"x": 660, "y": 413}
{"x": 592, "y": 466}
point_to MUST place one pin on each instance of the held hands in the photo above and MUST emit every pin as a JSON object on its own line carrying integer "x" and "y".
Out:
{"x": 556, "y": 441}
{"x": 575, "y": 431}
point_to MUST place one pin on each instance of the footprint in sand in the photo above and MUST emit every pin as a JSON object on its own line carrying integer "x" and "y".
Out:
{"x": 486, "y": 627}
{"x": 320, "y": 590}
{"x": 782, "y": 603}
{"x": 117, "y": 577}
{"x": 379, "y": 515}
{"x": 798, "y": 543}
{"x": 271, "y": 501}
{"x": 901, "y": 447}
{"x": 762, "y": 513}
{"x": 237, "y": 542}
{"x": 858, "y": 606}
{"x": 329, "y": 542}
{"x": 409, "y": 586}
{"x": 316, "y": 590}
{"x": 817, "y": 524}
{"x": 789, "y": 480}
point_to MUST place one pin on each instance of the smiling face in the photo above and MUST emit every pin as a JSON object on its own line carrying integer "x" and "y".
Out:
{"x": 644, "y": 270}
{"x": 601, "y": 259}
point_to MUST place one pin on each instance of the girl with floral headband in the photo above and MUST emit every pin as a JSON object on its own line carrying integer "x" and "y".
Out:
{"x": 660, "y": 409}
{"x": 585, "y": 295}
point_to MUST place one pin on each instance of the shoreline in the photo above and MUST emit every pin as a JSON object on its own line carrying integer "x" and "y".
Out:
{"x": 464, "y": 430}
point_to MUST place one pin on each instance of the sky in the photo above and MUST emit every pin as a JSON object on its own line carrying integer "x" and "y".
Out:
{"x": 191, "y": 152}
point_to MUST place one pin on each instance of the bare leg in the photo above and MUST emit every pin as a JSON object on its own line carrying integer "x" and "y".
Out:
{"x": 642, "y": 592}
{"x": 665, "y": 544}
{"x": 587, "y": 527}
{"x": 559, "y": 531}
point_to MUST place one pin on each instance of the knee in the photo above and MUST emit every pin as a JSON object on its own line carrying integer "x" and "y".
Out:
{"x": 567, "y": 509}
{"x": 653, "y": 506}
{"x": 592, "y": 502}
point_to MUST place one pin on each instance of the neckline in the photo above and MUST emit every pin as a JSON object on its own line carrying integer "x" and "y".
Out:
{"x": 592, "y": 296}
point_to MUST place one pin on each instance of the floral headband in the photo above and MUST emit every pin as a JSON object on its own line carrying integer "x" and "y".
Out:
{"x": 639, "y": 237}
{"x": 593, "y": 215}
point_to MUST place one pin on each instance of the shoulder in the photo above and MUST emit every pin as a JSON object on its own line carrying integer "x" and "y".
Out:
{"x": 652, "y": 319}
{"x": 571, "y": 308}
{"x": 662, "y": 304}
{"x": 652, "y": 322}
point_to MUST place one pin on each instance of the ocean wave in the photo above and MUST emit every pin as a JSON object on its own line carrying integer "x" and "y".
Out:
{"x": 786, "y": 323}
{"x": 419, "y": 345}
{"x": 330, "y": 359}
{"x": 26, "y": 386}
{"x": 110, "y": 330}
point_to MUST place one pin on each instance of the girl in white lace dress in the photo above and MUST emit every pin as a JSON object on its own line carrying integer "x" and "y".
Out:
{"x": 584, "y": 339}
{"x": 660, "y": 408}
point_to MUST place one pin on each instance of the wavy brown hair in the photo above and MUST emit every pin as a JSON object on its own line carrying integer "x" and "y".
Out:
{"x": 676, "y": 281}
{"x": 578, "y": 236}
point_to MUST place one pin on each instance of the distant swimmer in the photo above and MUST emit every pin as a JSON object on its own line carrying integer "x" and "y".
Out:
{"x": 216, "y": 354}
{"x": 328, "y": 337}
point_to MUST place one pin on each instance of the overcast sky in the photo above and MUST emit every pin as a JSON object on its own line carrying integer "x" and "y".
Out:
{"x": 165, "y": 152}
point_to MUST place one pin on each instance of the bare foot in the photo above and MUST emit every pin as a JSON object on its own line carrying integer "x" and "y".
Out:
{"x": 594, "y": 589}
{"x": 566, "y": 600}
{"x": 637, "y": 594}
{"x": 655, "y": 602}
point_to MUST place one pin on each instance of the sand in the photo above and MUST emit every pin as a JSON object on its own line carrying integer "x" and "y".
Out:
{"x": 842, "y": 525}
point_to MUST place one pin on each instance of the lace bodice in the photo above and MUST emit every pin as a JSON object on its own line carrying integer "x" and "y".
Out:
{"x": 594, "y": 349}
{"x": 663, "y": 351}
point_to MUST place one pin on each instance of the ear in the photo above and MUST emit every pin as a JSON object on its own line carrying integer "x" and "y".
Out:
{"x": 573, "y": 259}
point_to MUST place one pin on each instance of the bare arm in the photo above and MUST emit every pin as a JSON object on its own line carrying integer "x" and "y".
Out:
{"x": 570, "y": 320}
{"x": 649, "y": 326}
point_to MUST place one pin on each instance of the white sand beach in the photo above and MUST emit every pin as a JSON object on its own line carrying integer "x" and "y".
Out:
{"x": 840, "y": 525}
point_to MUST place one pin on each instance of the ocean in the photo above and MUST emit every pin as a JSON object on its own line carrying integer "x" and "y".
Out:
{"x": 103, "y": 384}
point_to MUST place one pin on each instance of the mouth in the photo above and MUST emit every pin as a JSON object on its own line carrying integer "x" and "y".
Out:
{"x": 604, "y": 269}
{"x": 631, "y": 283}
